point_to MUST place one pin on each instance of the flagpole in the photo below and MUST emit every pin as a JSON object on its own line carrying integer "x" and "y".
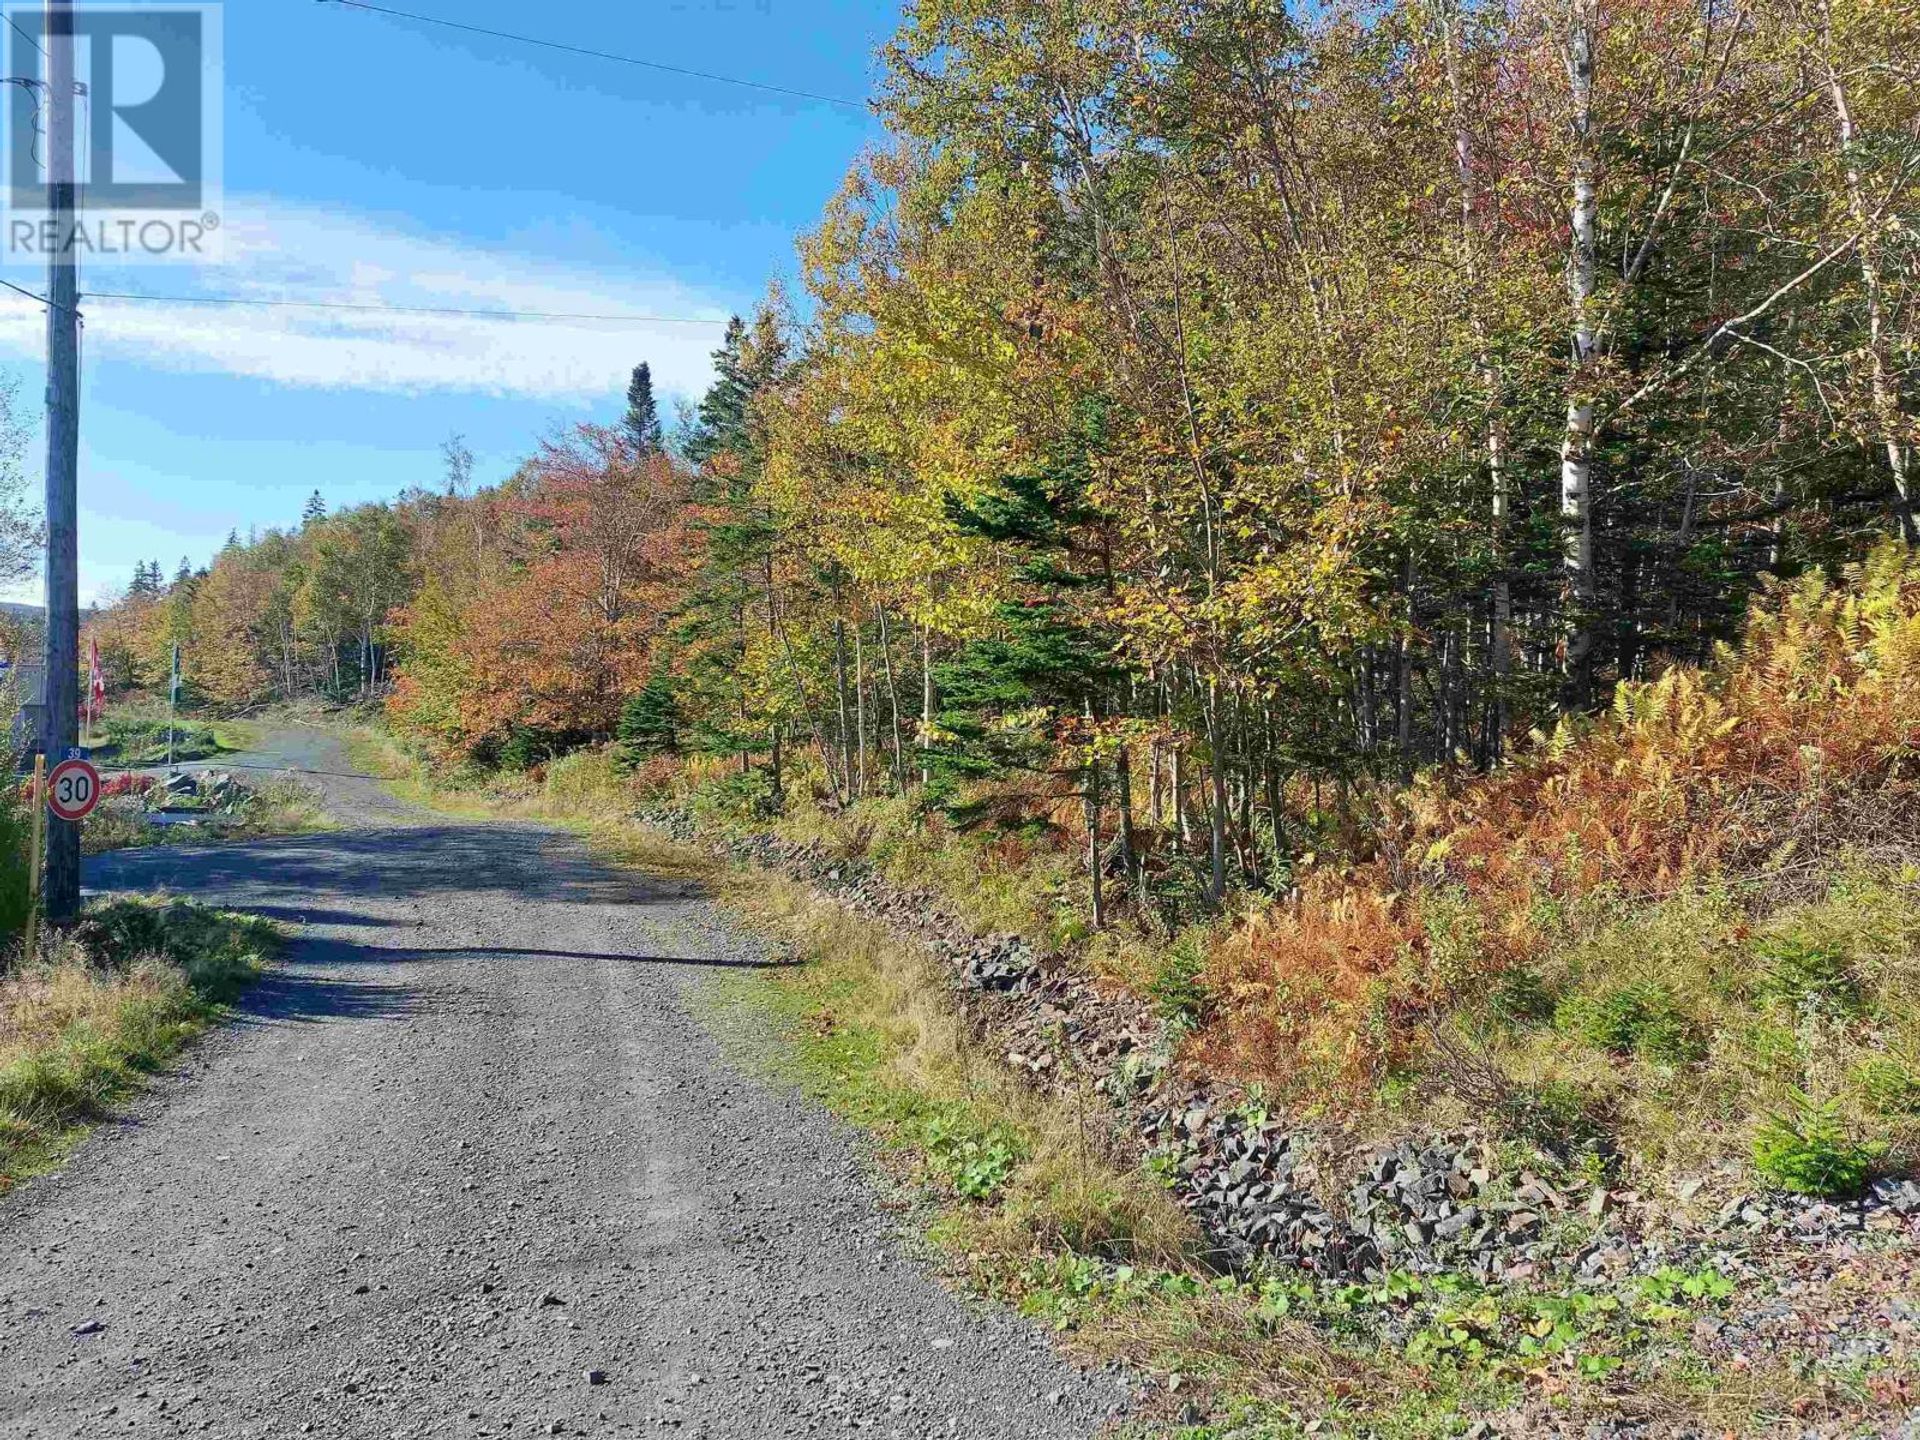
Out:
{"x": 173, "y": 700}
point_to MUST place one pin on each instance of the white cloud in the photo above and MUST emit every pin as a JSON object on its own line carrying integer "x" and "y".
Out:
{"x": 278, "y": 250}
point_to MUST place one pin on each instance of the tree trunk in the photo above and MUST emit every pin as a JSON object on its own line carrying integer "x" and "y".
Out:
{"x": 1217, "y": 811}
{"x": 860, "y": 709}
{"x": 893, "y": 701}
{"x": 1092, "y": 799}
{"x": 1500, "y": 621}
{"x": 1576, "y": 448}
{"x": 840, "y": 686}
{"x": 926, "y": 704}
{"x": 1888, "y": 416}
{"x": 1123, "y": 803}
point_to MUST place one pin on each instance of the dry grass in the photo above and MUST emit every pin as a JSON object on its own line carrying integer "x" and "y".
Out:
{"x": 883, "y": 998}
{"x": 106, "y": 1005}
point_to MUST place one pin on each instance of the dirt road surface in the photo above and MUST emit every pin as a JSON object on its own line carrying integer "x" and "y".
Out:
{"x": 467, "y": 1165}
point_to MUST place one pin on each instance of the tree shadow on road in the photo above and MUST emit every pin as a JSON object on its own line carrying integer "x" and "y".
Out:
{"x": 424, "y": 861}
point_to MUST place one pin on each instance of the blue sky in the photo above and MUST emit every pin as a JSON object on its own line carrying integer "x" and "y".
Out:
{"x": 373, "y": 159}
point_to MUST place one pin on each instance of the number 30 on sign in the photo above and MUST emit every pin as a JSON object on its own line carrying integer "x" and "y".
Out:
{"x": 73, "y": 789}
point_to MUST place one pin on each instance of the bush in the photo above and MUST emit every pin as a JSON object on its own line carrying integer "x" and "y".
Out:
{"x": 1806, "y": 976}
{"x": 1806, "y": 1149}
{"x": 1640, "y": 1019}
{"x": 735, "y": 797}
{"x": 1178, "y": 988}
{"x": 1521, "y": 997}
{"x": 1556, "y": 1116}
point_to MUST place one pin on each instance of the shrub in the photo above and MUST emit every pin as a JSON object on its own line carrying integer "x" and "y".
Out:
{"x": 1806, "y": 975}
{"x": 1521, "y": 997}
{"x": 1806, "y": 1149}
{"x": 1178, "y": 988}
{"x": 735, "y": 797}
{"x": 1554, "y": 1115}
{"x": 1639, "y": 1019}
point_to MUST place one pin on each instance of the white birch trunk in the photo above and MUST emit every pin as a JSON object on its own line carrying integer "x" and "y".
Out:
{"x": 1576, "y": 449}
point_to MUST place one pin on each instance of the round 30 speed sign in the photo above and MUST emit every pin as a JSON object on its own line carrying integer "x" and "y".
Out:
{"x": 73, "y": 789}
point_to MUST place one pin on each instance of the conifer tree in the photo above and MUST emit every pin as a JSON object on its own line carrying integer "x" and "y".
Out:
{"x": 642, "y": 423}
{"x": 649, "y": 722}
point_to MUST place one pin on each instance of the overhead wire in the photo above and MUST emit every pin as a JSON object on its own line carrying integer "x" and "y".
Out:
{"x": 609, "y": 55}
{"x": 378, "y": 307}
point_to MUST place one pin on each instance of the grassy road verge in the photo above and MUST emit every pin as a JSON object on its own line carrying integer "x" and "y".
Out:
{"x": 108, "y": 1005}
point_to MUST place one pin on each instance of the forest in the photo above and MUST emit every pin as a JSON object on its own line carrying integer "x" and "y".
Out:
{"x": 1195, "y": 419}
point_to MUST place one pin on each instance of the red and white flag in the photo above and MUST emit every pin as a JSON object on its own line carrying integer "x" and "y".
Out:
{"x": 96, "y": 682}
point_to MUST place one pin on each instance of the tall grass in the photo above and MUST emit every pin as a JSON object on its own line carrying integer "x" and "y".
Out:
{"x": 107, "y": 1003}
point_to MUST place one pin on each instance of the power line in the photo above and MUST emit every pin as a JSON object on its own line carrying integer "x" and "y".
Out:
{"x": 602, "y": 54}
{"x": 23, "y": 34}
{"x": 378, "y": 308}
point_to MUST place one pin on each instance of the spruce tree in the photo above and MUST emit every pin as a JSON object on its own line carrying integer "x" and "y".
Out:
{"x": 642, "y": 424}
{"x": 314, "y": 509}
{"x": 649, "y": 723}
{"x": 721, "y": 422}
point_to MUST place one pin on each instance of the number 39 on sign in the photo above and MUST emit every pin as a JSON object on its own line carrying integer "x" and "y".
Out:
{"x": 73, "y": 789}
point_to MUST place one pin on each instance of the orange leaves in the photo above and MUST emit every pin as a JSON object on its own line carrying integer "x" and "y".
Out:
{"x": 1695, "y": 775}
{"x": 601, "y": 541}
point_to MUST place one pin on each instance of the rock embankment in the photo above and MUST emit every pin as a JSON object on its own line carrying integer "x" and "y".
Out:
{"x": 1304, "y": 1196}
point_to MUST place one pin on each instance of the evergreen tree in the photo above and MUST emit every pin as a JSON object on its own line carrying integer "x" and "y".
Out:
{"x": 185, "y": 573}
{"x": 649, "y": 722}
{"x": 642, "y": 424}
{"x": 314, "y": 509}
{"x": 721, "y": 421}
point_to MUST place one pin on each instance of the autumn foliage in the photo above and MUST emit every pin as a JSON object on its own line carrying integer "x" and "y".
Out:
{"x": 543, "y": 603}
{"x": 1803, "y": 744}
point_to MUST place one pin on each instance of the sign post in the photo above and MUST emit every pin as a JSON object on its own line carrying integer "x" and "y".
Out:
{"x": 39, "y": 851}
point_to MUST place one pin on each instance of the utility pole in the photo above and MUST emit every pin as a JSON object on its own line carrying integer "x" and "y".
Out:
{"x": 62, "y": 890}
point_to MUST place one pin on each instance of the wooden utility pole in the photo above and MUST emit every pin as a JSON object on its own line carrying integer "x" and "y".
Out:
{"x": 62, "y": 890}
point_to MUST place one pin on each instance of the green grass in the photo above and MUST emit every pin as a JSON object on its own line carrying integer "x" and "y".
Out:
{"x": 109, "y": 1004}
{"x": 1713, "y": 1028}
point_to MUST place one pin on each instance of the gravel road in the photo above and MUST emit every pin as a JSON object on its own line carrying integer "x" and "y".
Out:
{"x": 466, "y": 1165}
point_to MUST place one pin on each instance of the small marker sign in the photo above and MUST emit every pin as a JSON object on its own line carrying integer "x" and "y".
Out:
{"x": 73, "y": 789}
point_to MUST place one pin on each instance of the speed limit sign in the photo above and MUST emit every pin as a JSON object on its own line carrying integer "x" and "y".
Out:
{"x": 73, "y": 789}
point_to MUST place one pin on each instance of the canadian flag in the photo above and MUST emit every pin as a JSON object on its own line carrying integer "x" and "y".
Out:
{"x": 96, "y": 681}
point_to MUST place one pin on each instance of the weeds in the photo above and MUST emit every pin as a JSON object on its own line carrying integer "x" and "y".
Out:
{"x": 1753, "y": 775}
{"x": 111, "y": 1002}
